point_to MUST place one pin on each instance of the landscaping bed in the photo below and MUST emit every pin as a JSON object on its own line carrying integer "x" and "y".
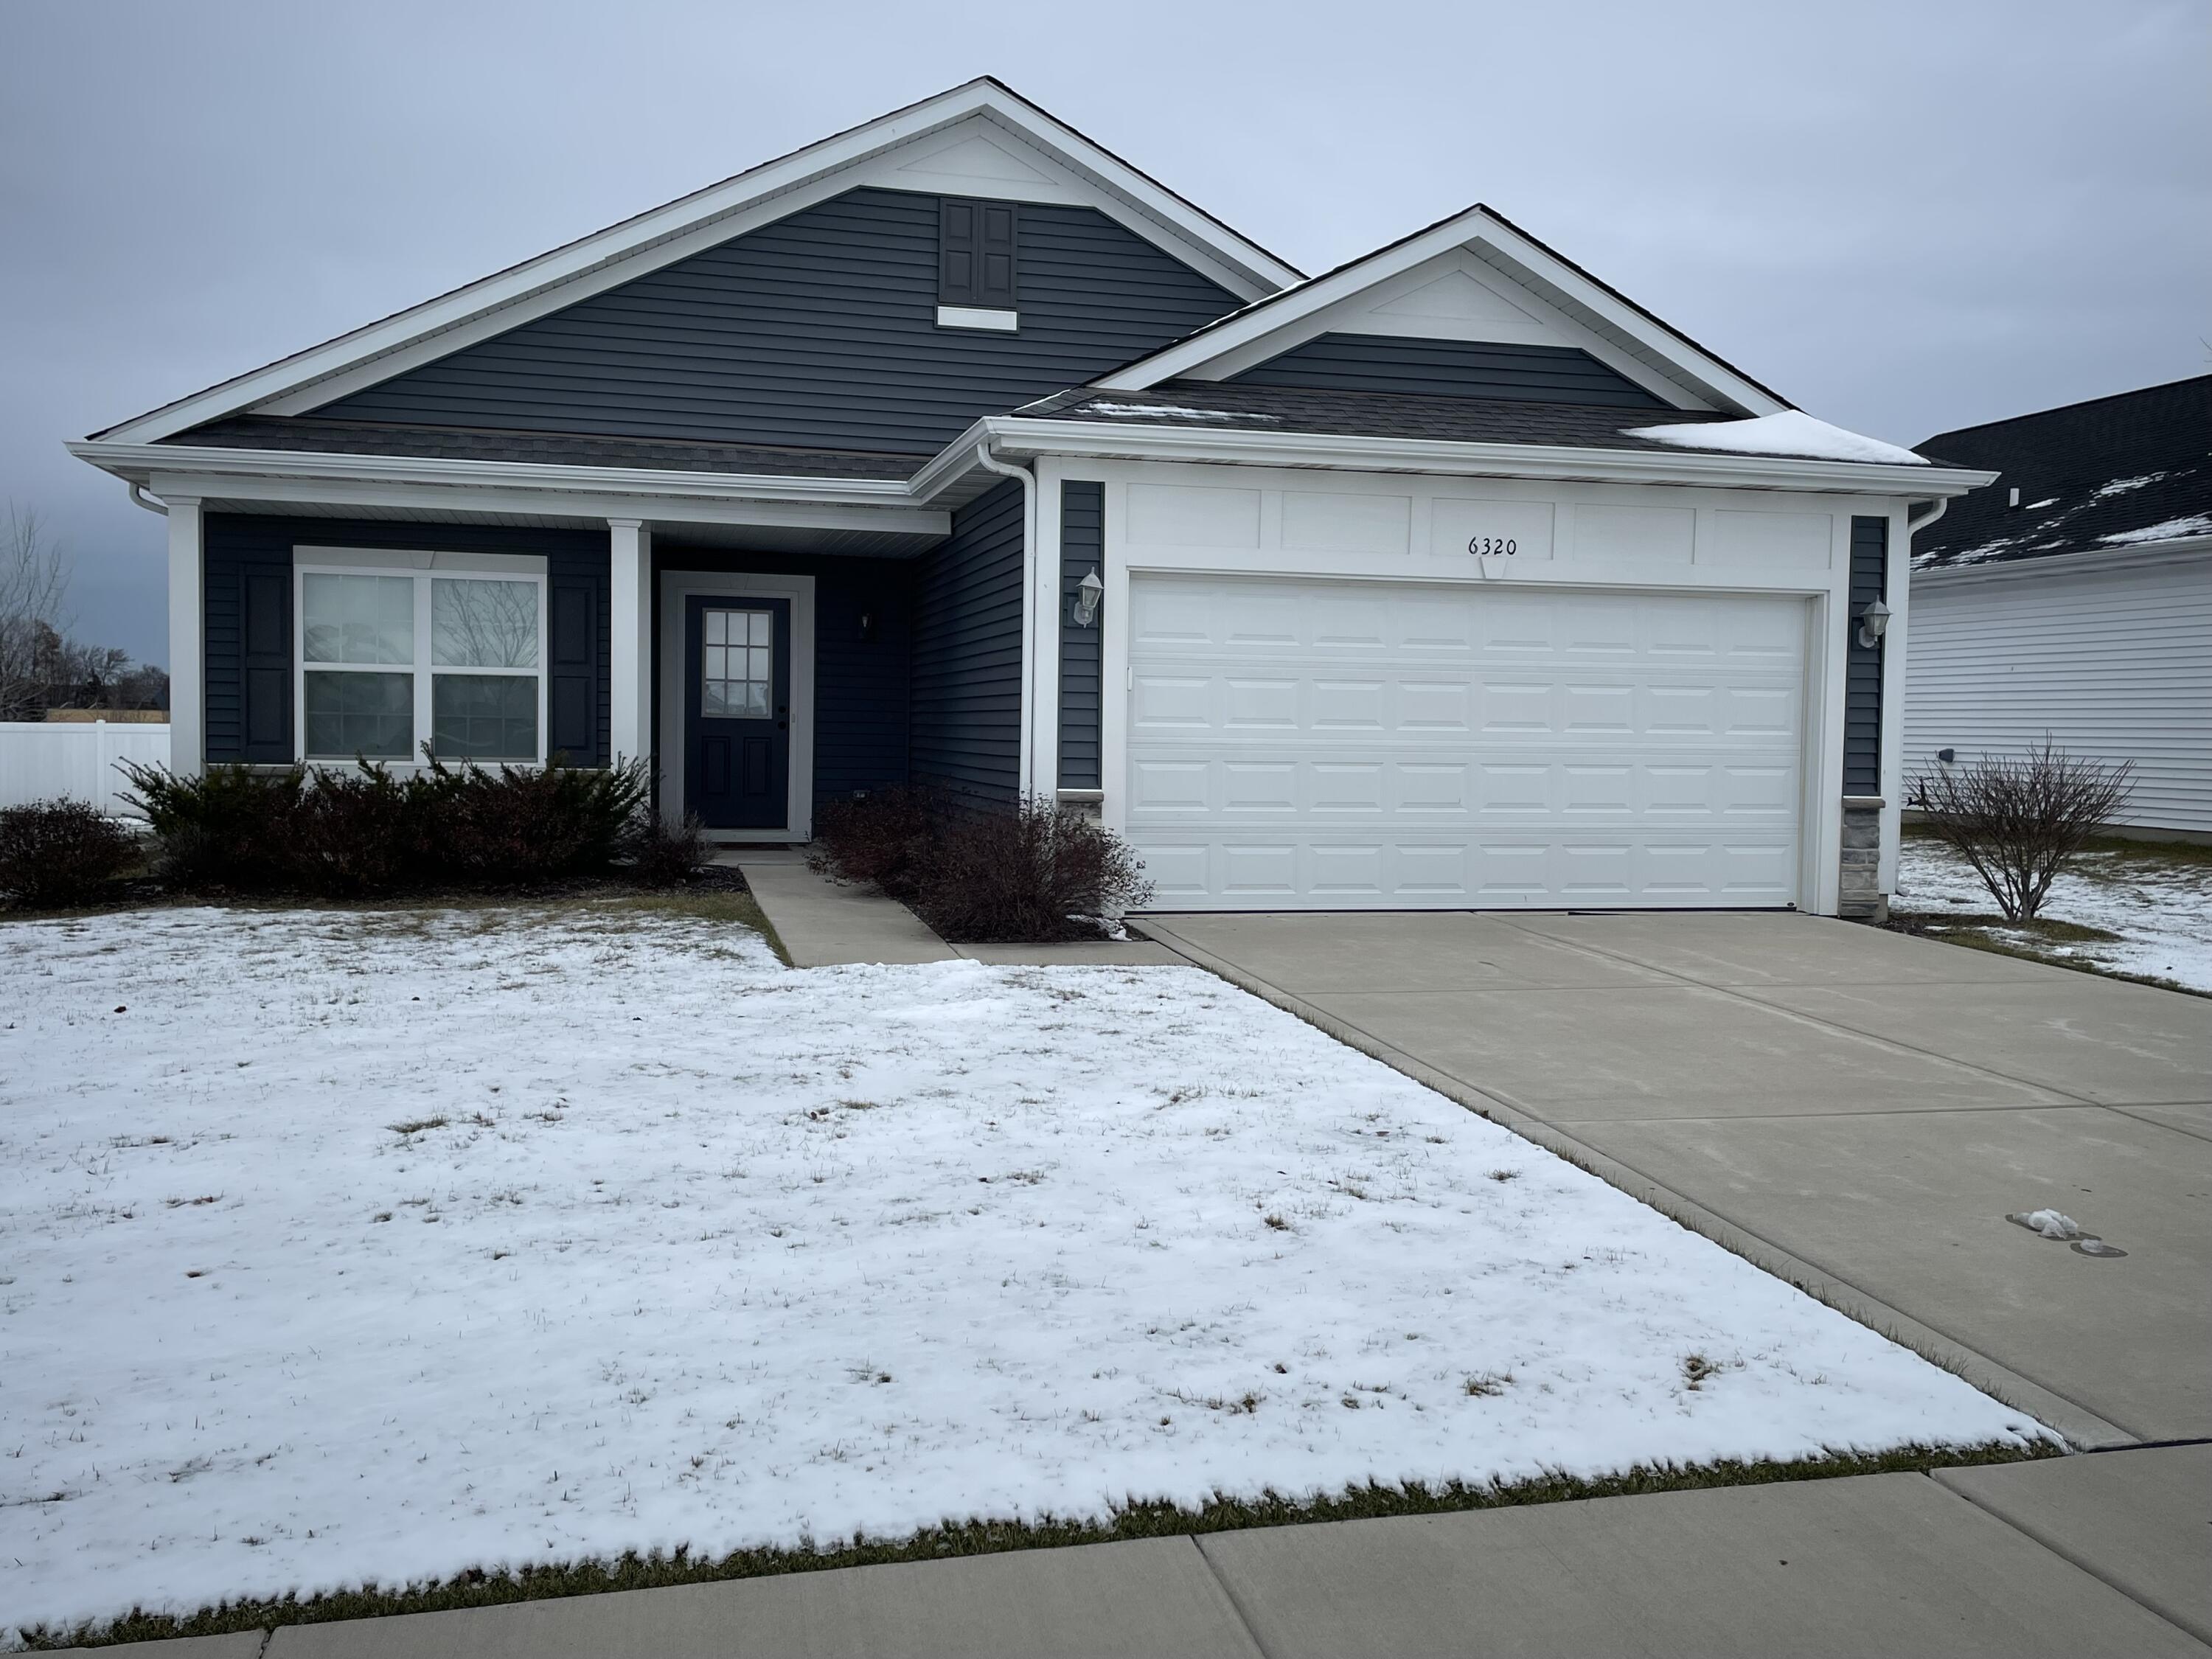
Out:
{"x": 409, "y": 1246}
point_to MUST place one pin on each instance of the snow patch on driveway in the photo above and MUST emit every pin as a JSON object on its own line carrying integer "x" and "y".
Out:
{"x": 340, "y": 1247}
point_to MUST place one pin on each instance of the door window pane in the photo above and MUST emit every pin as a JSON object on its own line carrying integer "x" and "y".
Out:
{"x": 358, "y": 618}
{"x": 483, "y": 716}
{"x": 736, "y": 664}
{"x": 368, "y": 714}
{"x": 483, "y": 623}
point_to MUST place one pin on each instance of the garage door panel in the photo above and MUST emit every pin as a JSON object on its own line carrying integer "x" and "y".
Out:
{"x": 1290, "y": 743}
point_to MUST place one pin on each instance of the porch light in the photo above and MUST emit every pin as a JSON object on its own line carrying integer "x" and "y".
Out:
{"x": 1088, "y": 594}
{"x": 1873, "y": 623}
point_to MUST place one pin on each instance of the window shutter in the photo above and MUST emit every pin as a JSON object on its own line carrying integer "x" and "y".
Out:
{"x": 572, "y": 702}
{"x": 265, "y": 632}
{"x": 976, "y": 254}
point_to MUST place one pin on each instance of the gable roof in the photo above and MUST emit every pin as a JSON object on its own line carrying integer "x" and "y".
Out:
{"x": 494, "y": 304}
{"x": 2101, "y": 476}
{"x": 1615, "y": 327}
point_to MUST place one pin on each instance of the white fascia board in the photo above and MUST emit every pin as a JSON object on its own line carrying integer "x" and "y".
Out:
{"x": 513, "y": 487}
{"x": 1124, "y": 441}
{"x": 2092, "y": 561}
{"x": 691, "y": 224}
{"x": 1475, "y": 229}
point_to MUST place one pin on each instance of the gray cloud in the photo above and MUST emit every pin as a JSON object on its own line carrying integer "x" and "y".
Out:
{"x": 1905, "y": 217}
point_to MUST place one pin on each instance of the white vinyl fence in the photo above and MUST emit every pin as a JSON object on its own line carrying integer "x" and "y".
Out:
{"x": 40, "y": 761}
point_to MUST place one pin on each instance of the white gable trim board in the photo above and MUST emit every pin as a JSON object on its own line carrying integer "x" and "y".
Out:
{"x": 976, "y": 140}
{"x": 1315, "y": 697}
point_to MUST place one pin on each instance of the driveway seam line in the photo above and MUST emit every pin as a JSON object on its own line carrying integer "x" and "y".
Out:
{"x": 2136, "y": 1112}
{"x": 1229, "y": 1592}
{"x": 1799, "y": 1014}
{"x": 1991, "y": 1376}
{"x": 2063, "y": 1554}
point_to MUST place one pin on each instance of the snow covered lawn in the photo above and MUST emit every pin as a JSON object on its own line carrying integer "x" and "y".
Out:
{"x": 2155, "y": 901}
{"x": 338, "y": 1247}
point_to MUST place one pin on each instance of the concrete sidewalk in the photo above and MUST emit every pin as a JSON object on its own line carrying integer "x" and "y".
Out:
{"x": 826, "y": 924}
{"x": 1856, "y": 1110}
{"x": 2087, "y": 1556}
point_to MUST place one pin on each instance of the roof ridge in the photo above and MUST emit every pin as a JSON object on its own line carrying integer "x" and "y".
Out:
{"x": 2060, "y": 409}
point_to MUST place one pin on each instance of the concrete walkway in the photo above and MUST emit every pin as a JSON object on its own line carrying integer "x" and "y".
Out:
{"x": 1857, "y": 1110}
{"x": 2097, "y": 1555}
{"x": 826, "y": 924}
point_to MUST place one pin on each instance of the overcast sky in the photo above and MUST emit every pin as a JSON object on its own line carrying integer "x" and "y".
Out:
{"x": 1904, "y": 217}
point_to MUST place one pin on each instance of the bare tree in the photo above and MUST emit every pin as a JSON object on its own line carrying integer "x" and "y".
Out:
{"x": 2018, "y": 821}
{"x": 34, "y": 577}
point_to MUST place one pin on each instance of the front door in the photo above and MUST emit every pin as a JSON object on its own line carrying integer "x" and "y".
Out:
{"x": 737, "y": 715}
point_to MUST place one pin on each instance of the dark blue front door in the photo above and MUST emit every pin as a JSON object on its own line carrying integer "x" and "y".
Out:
{"x": 737, "y": 712}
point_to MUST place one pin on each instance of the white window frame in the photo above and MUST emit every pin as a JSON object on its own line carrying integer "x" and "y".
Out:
{"x": 421, "y": 567}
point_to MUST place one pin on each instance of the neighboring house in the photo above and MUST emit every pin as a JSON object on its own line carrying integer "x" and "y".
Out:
{"x": 953, "y": 450}
{"x": 2073, "y": 598}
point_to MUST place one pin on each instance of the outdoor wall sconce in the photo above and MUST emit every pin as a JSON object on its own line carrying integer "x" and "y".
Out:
{"x": 1088, "y": 594}
{"x": 1873, "y": 623}
{"x": 867, "y": 626}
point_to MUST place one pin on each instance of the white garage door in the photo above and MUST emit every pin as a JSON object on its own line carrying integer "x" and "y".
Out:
{"x": 1297, "y": 744}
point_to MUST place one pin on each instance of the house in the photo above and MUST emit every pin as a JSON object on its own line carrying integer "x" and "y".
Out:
{"x": 955, "y": 450}
{"x": 2072, "y": 598}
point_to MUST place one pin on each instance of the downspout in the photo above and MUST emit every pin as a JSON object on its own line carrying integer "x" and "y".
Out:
{"x": 1031, "y": 594}
{"x": 1936, "y": 509}
{"x": 140, "y": 498}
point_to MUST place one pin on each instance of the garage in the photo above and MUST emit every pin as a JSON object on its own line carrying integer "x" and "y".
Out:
{"x": 1305, "y": 743}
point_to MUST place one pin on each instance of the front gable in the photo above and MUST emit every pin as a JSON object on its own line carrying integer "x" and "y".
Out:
{"x": 820, "y": 329}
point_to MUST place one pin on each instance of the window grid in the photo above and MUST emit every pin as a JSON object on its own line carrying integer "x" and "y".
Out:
{"x": 737, "y": 672}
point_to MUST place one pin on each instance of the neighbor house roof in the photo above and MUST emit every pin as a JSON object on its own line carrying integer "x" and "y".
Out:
{"x": 2113, "y": 473}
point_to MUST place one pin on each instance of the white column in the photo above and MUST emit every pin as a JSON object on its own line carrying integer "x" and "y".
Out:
{"x": 187, "y": 651}
{"x": 630, "y": 626}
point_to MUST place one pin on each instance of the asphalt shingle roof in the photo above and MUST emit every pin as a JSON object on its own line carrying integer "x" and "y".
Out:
{"x": 309, "y": 434}
{"x": 2093, "y": 476}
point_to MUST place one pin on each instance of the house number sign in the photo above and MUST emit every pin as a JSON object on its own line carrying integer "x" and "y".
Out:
{"x": 1463, "y": 527}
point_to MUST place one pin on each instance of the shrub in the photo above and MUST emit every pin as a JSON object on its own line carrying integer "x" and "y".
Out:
{"x": 346, "y": 834}
{"x": 665, "y": 854}
{"x": 880, "y": 840}
{"x": 2018, "y": 821}
{"x": 60, "y": 852}
{"x": 1033, "y": 873}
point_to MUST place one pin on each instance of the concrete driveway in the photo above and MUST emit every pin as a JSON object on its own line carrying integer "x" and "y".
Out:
{"x": 1854, "y": 1110}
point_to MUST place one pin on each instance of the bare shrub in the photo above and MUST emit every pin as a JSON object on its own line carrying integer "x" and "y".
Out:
{"x": 60, "y": 852}
{"x": 665, "y": 854}
{"x": 1032, "y": 874}
{"x": 2019, "y": 819}
{"x": 879, "y": 840}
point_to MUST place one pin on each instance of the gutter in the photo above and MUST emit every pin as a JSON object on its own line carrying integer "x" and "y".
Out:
{"x": 1030, "y": 592}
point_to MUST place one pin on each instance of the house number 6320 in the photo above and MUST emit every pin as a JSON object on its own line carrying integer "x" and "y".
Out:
{"x": 1491, "y": 546}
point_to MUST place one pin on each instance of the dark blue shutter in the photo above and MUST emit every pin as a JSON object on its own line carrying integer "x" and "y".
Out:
{"x": 264, "y": 603}
{"x": 976, "y": 254}
{"x": 571, "y": 701}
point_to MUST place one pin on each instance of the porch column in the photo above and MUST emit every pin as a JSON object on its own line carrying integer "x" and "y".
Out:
{"x": 187, "y": 650}
{"x": 629, "y": 624}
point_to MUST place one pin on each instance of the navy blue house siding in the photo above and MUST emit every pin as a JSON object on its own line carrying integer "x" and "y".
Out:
{"x": 248, "y": 620}
{"x": 1082, "y": 548}
{"x": 818, "y": 330}
{"x": 967, "y": 719}
{"x": 1862, "y": 663}
{"x": 1450, "y": 368}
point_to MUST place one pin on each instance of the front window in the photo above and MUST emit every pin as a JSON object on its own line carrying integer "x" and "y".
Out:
{"x": 388, "y": 661}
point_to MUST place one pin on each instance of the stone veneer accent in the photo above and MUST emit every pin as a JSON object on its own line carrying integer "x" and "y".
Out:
{"x": 1858, "y": 895}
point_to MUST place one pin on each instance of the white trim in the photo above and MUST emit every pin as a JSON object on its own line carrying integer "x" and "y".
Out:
{"x": 1509, "y": 251}
{"x": 988, "y": 317}
{"x": 187, "y": 636}
{"x": 629, "y": 641}
{"x": 1129, "y": 441}
{"x": 1043, "y": 717}
{"x": 675, "y": 586}
{"x": 637, "y": 246}
{"x": 419, "y": 567}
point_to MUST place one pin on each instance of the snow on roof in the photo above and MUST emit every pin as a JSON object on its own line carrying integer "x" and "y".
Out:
{"x": 1168, "y": 412}
{"x": 2197, "y": 524}
{"x": 1792, "y": 433}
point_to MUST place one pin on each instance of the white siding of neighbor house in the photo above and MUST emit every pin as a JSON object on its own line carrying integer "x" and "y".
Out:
{"x": 2116, "y": 664}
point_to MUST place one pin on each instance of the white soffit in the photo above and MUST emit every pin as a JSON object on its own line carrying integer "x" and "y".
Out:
{"x": 1472, "y": 278}
{"x": 979, "y": 139}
